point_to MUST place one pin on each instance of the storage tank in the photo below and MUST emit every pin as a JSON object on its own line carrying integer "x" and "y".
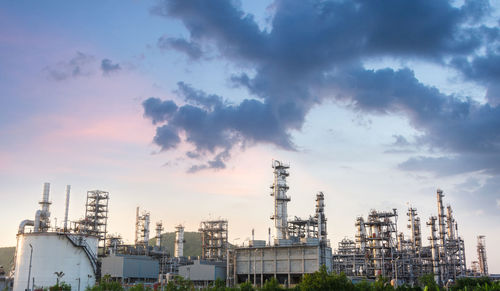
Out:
{"x": 44, "y": 253}
{"x": 73, "y": 254}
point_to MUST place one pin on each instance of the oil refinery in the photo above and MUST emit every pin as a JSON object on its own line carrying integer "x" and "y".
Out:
{"x": 81, "y": 252}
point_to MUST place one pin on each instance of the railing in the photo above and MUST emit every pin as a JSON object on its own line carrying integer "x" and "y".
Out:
{"x": 78, "y": 241}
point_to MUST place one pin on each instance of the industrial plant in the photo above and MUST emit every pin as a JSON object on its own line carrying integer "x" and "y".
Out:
{"x": 380, "y": 250}
{"x": 80, "y": 252}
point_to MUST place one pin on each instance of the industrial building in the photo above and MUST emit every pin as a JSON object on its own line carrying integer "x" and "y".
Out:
{"x": 300, "y": 246}
{"x": 130, "y": 268}
{"x": 379, "y": 249}
{"x": 43, "y": 251}
{"x": 203, "y": 273}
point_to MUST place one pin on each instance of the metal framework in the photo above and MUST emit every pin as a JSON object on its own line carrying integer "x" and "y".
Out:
{"x": 214, "y": 240}
{"x": 481, "y": 255}
{"x": 96, "y": 216}
{"x": 142, "y": 228}
{"x": 379, "y": 249}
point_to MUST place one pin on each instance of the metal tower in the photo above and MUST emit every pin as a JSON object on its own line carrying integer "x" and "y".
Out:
{"x": 96, "y": 215}
{"x": 481, "y": 255}
{"x": 279, "y": 188}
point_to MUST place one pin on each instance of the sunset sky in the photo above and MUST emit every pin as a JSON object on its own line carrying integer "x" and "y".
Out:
{"x": 180, "y": 106}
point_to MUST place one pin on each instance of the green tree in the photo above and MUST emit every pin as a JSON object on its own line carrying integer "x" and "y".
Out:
{"x": 60, "y": 286}
{"x": 272, "y": 285}
{"x": 321, "y": 280}
{"x": 428, "y": 282}
{"x": 178, "y": 283}
{"x": 106, "y": 284}
{"x": 217, "y": 285}
{"x": 247, "y": 286}
{"x": 139, "y": 287}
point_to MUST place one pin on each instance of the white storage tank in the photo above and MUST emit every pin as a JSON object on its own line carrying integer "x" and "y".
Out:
{"x": 71, "y": 253}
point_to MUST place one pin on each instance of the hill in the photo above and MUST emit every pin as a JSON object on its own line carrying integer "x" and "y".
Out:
{"x": 7, "y": 257}
{"x": 192, "y": 246}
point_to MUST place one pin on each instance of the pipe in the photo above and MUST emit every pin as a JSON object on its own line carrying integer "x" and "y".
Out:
{"x": 45, "y": 197}
{"x": 38, "y": 216}
{"x": 25, "y": 223}
{"x": 66, "y": 209}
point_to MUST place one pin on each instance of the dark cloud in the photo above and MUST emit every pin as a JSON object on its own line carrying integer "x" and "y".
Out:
{"x": 217, "y": 163}
{"x": 314, "y": 51}
{"x": 157, "y": 110}
{"x": 199, "y": 98}
{"x": 108, "y": 67}
{"x": 77, "y": 66}
{"x": 214, "y": 127}
{"x": 167, "y": 137}
{"x": 192, "y": 50}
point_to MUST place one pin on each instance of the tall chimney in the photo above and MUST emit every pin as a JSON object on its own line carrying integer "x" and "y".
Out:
{"x": 66, "y": 209}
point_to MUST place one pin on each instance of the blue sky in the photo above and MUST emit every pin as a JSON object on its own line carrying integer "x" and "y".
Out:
{"x": 180, "y": 106}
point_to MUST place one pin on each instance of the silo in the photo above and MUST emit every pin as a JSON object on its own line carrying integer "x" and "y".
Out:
{"x": 46, "y": 255}
{"x": 72, "y": 254}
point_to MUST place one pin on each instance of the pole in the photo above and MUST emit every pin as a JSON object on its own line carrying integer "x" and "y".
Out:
{"x": 29, "y": 272}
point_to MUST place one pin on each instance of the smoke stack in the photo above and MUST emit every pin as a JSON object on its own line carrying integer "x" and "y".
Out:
{"x": 66, "y": 209}
{"x": 42, "y": 216}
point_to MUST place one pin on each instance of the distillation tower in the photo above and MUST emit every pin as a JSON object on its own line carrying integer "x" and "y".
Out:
{"x": 481, "y": 255}
{"x": 142, "y": 221}
{"x": 179, "y": 241}
{"x": 159, "y": 229}
{"x": 279, "y": 189}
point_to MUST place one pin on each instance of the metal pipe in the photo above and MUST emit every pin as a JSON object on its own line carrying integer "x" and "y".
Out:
{"x": 66, "y": 209}
{"x": 45, "y": 197}
{"x": 38, "y": 217}
{"x": 29, "y": 270}
{"x": 25, "y": 223}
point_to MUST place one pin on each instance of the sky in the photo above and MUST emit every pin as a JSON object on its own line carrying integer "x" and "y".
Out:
{"x": 180, "y": 106}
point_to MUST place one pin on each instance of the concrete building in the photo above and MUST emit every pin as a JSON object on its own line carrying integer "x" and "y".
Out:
{"x": 130, "y": 268}
{"x": 285, "y": 263}
{"x": 202, "y": 272}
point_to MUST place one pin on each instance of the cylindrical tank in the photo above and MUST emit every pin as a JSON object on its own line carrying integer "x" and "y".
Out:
{"x": 54, "y": 252}
{"x": 179, "y": 241}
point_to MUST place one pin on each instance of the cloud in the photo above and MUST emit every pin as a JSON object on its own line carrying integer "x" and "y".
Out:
{"x": 212, "y": 126}
{"x": 315, "y": 50}
{"x": 192, "y": 50}
{"x": 400, "y": 141}
{"x": 79, "y": 65}
{"x": 108, "y": 67}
